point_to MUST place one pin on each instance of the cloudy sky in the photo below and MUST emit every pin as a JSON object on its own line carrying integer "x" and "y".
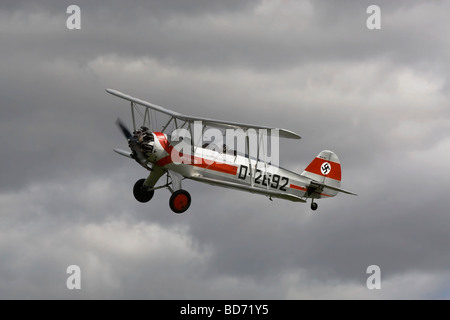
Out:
{"x": 378, "y": 98}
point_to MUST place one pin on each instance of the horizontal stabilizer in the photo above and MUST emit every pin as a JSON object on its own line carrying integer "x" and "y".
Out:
{"x": 318, "y": 184}
{"x": 234, "y": 185}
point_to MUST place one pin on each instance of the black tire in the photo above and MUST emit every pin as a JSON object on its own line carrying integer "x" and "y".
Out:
{"x": 180, "y": 201}
{"x": 141, "y": 193}
{"x": 314, "y": 206}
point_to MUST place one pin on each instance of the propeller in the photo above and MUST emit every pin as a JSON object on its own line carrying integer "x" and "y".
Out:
{"x": 124, "y": 129}
{"x": 132, "y": 142}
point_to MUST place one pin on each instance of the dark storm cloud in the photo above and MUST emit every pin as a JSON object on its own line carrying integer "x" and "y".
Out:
{"x": 232, "y": 34}
{"x": 122, "y": 8}
{"x": 377, "y": 98}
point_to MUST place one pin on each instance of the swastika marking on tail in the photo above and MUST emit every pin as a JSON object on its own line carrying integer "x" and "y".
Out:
{"x": 325, "y": 168}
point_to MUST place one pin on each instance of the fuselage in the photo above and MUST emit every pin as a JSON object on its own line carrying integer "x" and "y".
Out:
{"x": 259, "y": 176}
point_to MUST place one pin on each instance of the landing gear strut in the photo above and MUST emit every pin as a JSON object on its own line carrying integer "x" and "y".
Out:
{"x": 180, "y": 201}
{"x": 314, "y": 206}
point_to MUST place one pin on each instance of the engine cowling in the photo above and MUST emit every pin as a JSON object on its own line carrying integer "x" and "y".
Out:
{"x": 145, "y": 141}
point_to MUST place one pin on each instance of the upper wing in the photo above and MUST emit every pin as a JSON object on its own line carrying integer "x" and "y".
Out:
{"x": 283, "y": 133}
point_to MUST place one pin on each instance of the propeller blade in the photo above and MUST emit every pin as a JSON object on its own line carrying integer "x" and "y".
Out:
{"x": 124, "y": 129}
{"x": 133, "y": 143}
{"x": 140, "y": 156}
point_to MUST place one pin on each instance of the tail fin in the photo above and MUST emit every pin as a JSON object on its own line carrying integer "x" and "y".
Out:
{"x": 325, "y": 168}
{"x": 325, "y": 171}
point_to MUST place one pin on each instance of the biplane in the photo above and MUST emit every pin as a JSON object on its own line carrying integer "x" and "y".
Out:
{"x": 177, "y": 150}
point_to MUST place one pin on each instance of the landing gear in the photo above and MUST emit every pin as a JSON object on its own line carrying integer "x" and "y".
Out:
{"x": 141, "y": 193}
{"x": 314, "y": 206}
{"x": 180, "y": 201}
{"x": 144, "y": 189}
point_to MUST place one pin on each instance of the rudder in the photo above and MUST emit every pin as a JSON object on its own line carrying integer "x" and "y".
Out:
{"x": 325, "y": 168}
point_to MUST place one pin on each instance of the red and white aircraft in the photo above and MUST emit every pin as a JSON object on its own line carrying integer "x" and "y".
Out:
{"x": 181, "y": 154}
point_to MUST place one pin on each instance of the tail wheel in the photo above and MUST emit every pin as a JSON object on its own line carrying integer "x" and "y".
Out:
{"x": 141, "y": 193}
{"x": 180, "y": 201}
{"x": 314, "y": 206}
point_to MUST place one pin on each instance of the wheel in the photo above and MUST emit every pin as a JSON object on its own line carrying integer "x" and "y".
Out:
{"x": 314, "y": 206}
{"x": 180, "y": 201}
{"x": 141, "y": 193}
